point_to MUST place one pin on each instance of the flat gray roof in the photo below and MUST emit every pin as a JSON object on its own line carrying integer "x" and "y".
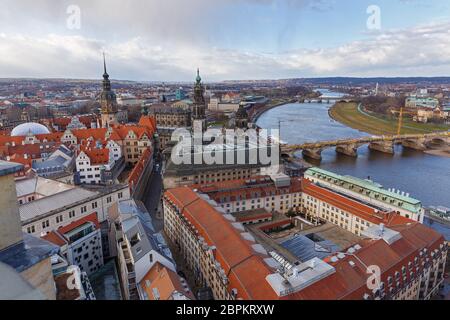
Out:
{"x": 41, "y": 207}
{"x": 9, "y": 168}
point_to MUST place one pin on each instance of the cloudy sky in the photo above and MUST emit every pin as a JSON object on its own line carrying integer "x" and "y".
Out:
{"x": 228, "y": 39}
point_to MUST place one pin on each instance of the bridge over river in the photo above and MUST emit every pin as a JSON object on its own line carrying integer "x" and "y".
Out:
{"x": 384, "y": 144}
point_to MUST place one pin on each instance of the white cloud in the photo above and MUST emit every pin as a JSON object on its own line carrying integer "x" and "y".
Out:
{"x": 168, "y": 40}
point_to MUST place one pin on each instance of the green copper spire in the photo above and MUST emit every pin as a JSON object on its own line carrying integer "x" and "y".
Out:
{"x": 199, "y": 79}
{"x": 144, "y": 110}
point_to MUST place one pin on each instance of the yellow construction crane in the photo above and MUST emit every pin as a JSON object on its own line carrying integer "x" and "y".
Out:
{"x": 400, "y": 119}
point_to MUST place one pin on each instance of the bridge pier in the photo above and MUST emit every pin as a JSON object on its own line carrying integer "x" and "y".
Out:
{"x": 313, "y": 153}
{"x": 382, "y": 146}
{"x": 350, "y": 150}
{"x": 416, "y": 144}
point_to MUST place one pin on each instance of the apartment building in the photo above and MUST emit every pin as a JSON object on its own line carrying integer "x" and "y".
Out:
{"x": 58, "y": 204}
{"x": 132, "y": 139}
{"x": 421, "y": 102}
{"x": 369, "y": 192}
{"x": 99, "y": 163}
{"x": 80, "y": 243}
{"x": 170, "y": 117}
{"x": 410, "y": 256}
{"x": 324, "y": 204}
{"x": 225, "y": 257}
{"x": 276, "y": 193}
{"x": 139, "y": 248}
{"x": 188, "y": 174}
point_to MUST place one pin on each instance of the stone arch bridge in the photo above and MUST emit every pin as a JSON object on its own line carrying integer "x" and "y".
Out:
{"x": 384, "y": 144}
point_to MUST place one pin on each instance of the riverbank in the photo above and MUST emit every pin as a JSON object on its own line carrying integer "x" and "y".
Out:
{"x": 352, "y": 115}
{"x": 416, "y": 172}
{"x": 270, "y": 106}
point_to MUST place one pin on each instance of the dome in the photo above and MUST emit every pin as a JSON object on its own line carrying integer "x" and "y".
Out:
{"x": 29, "y": 127}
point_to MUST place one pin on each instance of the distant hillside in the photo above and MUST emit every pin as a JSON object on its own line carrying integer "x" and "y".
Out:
{"x": 380, "y": 80}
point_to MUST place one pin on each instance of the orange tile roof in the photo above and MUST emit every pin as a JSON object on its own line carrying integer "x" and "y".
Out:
{"x": 9, "y": 140}
{"x": 233, "y": 190}
{"x": 97, "y": 156}
{"x": 89, "y": 218}
{"x": 149, "y": 122}
{"x": 139, "y": 167}
{"x": 55, "y": 238}
{"x": 122, "y": 131}
{"x": 164, "y": 281}
{"x": 247, "y": 272}
{"x": 235, "y": 254}
{"x": 354, "y": 207}
{"x": 64, "y": 122}
{"x": 50, "y": 137}
{"x": 97, "y": 134}
{"x": 350, "y": 283}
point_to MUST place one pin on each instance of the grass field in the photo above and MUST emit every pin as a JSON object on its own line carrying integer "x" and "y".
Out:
{"x": 349, "y": 115}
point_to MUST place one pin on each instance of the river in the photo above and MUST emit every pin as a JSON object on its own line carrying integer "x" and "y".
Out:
{"x": 425, "y": 177}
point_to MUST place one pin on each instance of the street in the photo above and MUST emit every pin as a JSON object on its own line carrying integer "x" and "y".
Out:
{"x": 152, "y": 197}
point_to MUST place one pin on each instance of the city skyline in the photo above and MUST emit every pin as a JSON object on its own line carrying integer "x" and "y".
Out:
{"x": 229, "y": 40}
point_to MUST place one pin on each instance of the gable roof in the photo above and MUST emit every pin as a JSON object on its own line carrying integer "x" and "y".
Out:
{"x": 164, "y": 283}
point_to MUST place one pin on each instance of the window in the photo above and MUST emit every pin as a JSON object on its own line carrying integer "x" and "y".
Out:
{"x": 45, "y": 224}
{"x": 31, "y": 229}
{"x": 59, "y": 219}
{"x": 83, "y": 209}
{"x": 71, "y": 213}
{"x": 94, "y": 205}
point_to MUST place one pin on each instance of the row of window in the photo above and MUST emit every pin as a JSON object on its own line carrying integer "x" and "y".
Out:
{"x": 60, "y": 217}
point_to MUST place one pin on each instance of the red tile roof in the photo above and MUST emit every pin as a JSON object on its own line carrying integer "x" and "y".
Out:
{"x": 148, "y": 122}
{"x": 97, "y": 134}
{"x": 233, "y": 190}
{"x": 354, "y": 207}
{"x": 350, "y": 283}
{"x": 165, "y": 282}
{"x": 97, "y": 156}
{"x": 247, "y": 272}
{"x": 241, "y": 263}
{"x": 89, "y": 218}
{"x": 55, "y": 238}
{"x": 139, "y": 167}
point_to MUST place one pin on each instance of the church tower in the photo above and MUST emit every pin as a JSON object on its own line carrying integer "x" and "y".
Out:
{"x": 199, "y": 105}
{"x": 108, "y": 100}
{"x": 241, "y": 118}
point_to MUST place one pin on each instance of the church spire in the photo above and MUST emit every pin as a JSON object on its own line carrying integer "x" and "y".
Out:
{"x": 105, "y": 74}
{"x": 108, "y": 100}
{"x": 198, "y": 79}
